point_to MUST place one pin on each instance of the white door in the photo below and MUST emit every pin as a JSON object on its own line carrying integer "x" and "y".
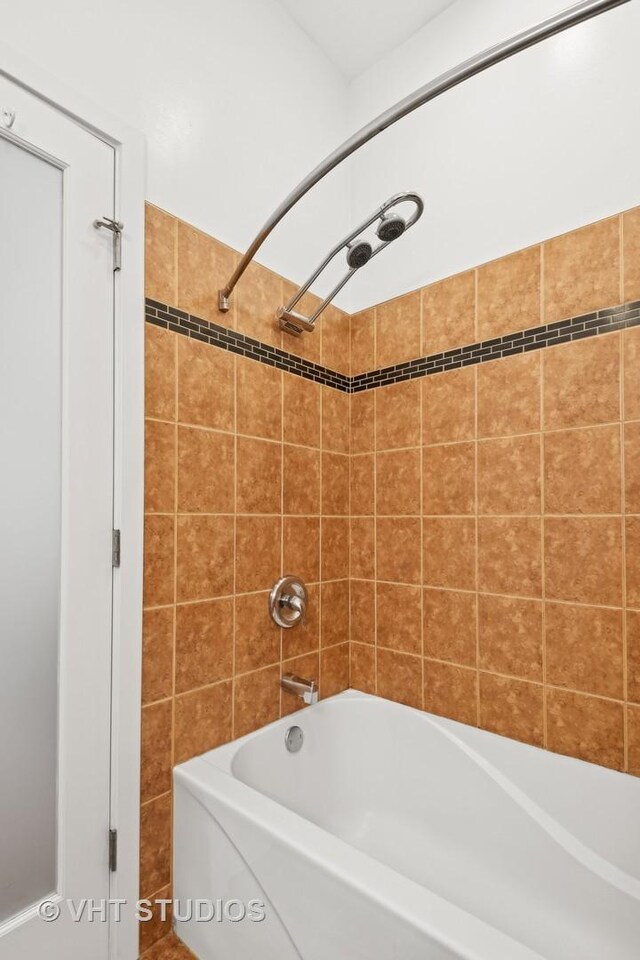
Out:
{"x": 56, "y": 509}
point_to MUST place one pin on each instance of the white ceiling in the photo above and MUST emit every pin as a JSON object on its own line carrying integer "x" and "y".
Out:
{"x": 356, "y": 33}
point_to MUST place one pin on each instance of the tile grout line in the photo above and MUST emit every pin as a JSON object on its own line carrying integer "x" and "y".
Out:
{"x": 175, "y": 575}
{"x": 623, "y": 495}
{"x": 281, "y": 631}
{"x": 321, "y": 571}
{"x": 235, "y": 544}
{"x": 375, "y": 512}
{"x": 543, "y": 505}
{"x": 349, "y": 465}
{"x": 350, "y": 517}
{"x": 391, "y": 516}
{"x": 421, "y": 493}
{"x": 476, "y": 501}
{"x": 621, "y": 253}
{"x": 543, "y": 565}
{"x": 477, "y": 545}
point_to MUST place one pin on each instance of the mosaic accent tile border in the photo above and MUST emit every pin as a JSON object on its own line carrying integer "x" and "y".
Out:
{"x": 171, "y": 318}
{"x": 535, "y": 338}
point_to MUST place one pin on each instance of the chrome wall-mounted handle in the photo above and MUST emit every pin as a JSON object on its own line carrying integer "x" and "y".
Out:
{"x": 288, "y": 602}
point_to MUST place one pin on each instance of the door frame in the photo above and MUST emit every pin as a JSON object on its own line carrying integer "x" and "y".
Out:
{"x": 128, "y": 503}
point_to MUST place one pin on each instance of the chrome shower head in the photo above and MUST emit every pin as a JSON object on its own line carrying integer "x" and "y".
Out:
{"x": 388, "y": 225}
{"x": 359, "y": 252}
{"x": 392, "y": 226}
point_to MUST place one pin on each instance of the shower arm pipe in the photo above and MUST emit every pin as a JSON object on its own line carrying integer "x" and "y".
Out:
{"x": 388, "y": 205}
{"x": 578, "y": 13}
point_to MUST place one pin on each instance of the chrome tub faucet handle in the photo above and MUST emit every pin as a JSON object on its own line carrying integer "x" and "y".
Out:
{"x": 288, "y": 602}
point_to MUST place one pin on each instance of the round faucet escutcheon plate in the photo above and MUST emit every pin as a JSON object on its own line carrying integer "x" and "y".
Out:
{"x": 288, "y": 602}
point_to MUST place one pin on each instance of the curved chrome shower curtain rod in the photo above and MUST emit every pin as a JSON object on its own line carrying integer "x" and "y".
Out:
{"x": 446, "y": 81}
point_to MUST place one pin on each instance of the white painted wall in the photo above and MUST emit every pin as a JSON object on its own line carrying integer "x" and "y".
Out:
{"x": 539, "y": 145}
{"x": 357, "y": 33}
{"x": 236, "y": 103}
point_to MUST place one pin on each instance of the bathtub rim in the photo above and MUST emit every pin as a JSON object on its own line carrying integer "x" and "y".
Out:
{"x": 453, "y": 928}
{"x": 462, "y": 737}
{"x": 211, "y": 780}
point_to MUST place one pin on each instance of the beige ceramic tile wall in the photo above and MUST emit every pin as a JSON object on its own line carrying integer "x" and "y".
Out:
{"x": 494, "y": 512}
{"x": 495, "y": 528}
{"x": 568, "y": 275}
{"x": 186, "y": 268}
{"x": 247, "y": 477}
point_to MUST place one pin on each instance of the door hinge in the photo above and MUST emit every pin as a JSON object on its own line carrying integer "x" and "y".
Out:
{"x": 116, "y": 227}
{"x": 113, "y": 850}
{"x": 115, "y": 548}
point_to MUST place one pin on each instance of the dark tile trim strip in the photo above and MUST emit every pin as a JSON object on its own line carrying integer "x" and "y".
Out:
{"x": 523, "y": 341}
{"x": 170, "y": 318}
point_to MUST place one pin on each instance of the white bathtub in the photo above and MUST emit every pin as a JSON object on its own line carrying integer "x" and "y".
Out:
{"x": 397, "y": 835}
